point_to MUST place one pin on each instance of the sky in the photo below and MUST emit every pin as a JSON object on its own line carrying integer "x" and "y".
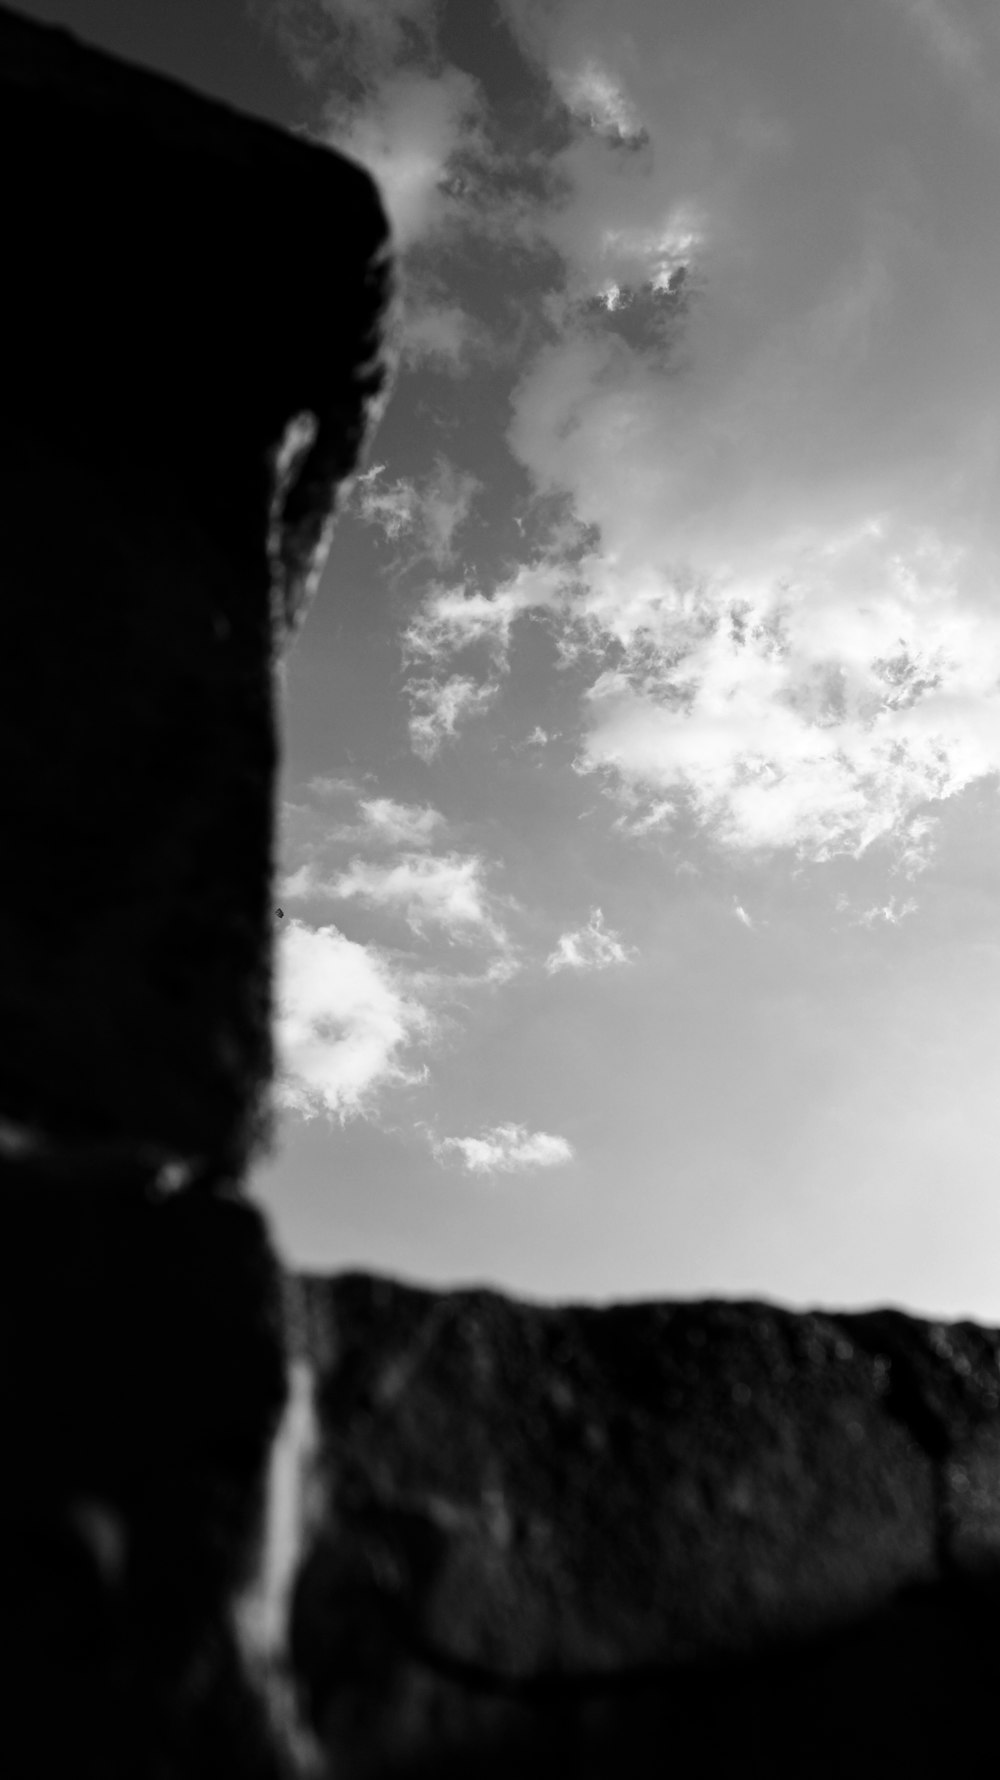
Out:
{"x": 639, "y": 818}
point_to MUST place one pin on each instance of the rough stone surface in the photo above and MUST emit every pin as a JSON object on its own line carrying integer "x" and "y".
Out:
{"x": 192, "y": 306}
{"x": 722, "y": 1536}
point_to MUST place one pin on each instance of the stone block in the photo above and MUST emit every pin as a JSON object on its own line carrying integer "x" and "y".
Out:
{"x": 717, "y": 1535}
{"x": 193, "y": 304}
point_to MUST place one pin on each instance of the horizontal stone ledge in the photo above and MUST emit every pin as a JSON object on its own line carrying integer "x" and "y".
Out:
{"x": 558, "y": 1506}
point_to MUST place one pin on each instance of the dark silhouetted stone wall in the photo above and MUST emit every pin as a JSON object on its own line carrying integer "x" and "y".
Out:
{"x": 705, "y": 1539}
{"x": 192, "y": 308}
{"x": 699, "y": 1538}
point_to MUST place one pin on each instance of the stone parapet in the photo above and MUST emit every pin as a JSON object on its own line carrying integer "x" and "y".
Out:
{"x": 725, "y": 1537}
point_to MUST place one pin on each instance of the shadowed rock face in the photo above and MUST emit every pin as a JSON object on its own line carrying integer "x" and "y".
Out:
{"x": 192, "y": 303}
{"x": 147, "y": 1380}
{"x": 192, "y": 307}
{"x": 721, "y": 1535}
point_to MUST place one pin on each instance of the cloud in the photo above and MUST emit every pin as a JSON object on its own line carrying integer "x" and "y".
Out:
{"x": 305, "y": 881}
{"x": 792, "y": 477}
{"x": 444, "y": 891}
{"x": 310, "y": 834}
{"x": 459, "y": 617}
{"x": 438, "y": 706}
{"x": 367, "y": 40}
{"x": 741, "y": 915}
{"x": 389, "y": 102}
{"x": 889, "y": 913}
{"x": 593, "y": 947}
{"x": 757, "y": 390}
{"x": 400, "y": 824}
{"x": 409, "y": 135}
{"x": 441, "y": 335}
{"x": 595, "y": 96}
{"x": 328, "y": 785}
{"x": 505, "y": 1149}
{"x": 344, "y": 1021}
{"x": 427, "y": 515}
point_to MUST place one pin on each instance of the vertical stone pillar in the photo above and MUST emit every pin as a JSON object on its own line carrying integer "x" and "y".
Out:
{"x": 192, "y": 311}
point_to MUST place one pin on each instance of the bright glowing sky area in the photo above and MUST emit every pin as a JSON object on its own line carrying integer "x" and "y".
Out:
{"x": 639, "y": 815}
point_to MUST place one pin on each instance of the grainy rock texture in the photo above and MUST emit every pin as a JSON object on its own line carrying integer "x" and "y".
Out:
{"x": 192, "y": 306}
{"x": 709, "y": 1538}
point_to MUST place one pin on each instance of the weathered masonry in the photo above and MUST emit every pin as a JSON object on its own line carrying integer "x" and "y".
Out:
{"x": 192, "y": 304}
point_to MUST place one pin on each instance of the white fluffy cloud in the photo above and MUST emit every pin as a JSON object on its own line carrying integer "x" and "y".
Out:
{"x": 760, "y": 386}
{"x": 344, "y": 1022}
{"x": 593, "y": 947}
{"x": 505, "y": 1149}
{"x": 794, "y": 484}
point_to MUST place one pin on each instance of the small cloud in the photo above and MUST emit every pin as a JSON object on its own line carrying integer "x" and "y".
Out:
{"x": 887, "y": 914}
{"x": 400, "y": 824}
{"x": 344, "y": 1019}
{"x": 440, "y": 705}
{"x": 441, "y": 335}
{"x": 444, "y": 891}
{"x": 392, "y": 507}
{"x": 427, "y": 515}
{"x": 505, "y": 1149}
{"x": 301, "y": 883}
{"x": 408, "y": 134}
{"x": 324, "y": 785}
{"x": 594, "y": 96}
{"x": 741, "y": 915}
{"x": 593, "y": 947}
{"x": 645, "y": 816}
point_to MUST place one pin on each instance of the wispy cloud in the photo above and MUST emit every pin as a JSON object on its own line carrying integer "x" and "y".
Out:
{"x": 756, "y": 394}
{"x": 789, "y": 470}
{"x": 741, "y": 915}
{"x": 423, "y": 515}
{"x": 887, "y": 914}
{"x": 440, "y": 335}
{"x": 344, "y": 1023}
{"x": 767, "y": 413}
{"x": 391, "y": 103}
{"x": 439, "y": 706}
{"x": 451, "y": 619}
{"x": 505, "y": 1149}
{"x": 446, "y": 891}
{"x": 400, "y": 824}
{"x": 593, "y": 947}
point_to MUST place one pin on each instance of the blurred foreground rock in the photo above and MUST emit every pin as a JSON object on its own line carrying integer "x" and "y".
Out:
{"x": 193, "y": 304}
{"x": 706, "y": 1538}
